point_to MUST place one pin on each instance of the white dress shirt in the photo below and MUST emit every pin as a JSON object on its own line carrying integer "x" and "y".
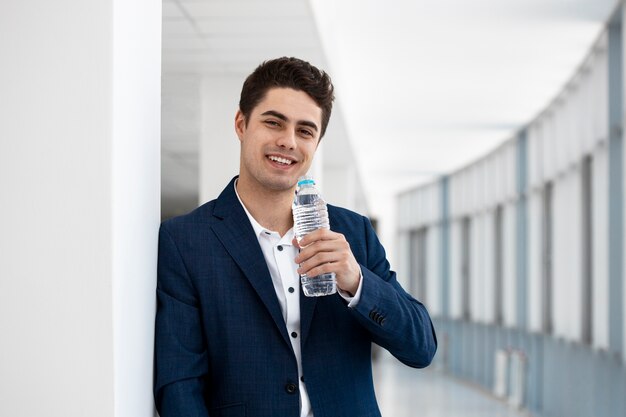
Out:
{"x": 280, "y": 256}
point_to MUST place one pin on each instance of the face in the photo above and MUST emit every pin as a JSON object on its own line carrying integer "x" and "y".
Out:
{"x": 279, "y": 140}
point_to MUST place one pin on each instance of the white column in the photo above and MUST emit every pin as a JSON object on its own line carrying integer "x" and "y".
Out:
{"x": 340, "y": 185}
{"x": 135, "y": 199}
{"x": 79, "y": 174}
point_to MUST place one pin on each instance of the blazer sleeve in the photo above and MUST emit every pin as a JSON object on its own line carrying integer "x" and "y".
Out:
{"x": 396, "y": 320}
{"x": 180, "y": 352}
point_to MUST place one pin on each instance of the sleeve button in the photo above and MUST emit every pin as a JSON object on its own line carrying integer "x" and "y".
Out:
{"x": 291, "y": 388}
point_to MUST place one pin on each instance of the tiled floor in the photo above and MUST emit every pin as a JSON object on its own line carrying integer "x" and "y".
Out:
{"x": 408, "y": 392}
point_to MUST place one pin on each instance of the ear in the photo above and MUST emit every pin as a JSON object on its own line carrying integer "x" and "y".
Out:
{"x": 240, "y": 124}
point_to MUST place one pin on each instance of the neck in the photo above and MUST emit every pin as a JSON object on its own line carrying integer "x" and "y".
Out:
{"x": 270, "y": 208}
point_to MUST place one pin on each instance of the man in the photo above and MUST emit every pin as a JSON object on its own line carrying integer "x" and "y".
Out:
{"x": 235, "y": 336}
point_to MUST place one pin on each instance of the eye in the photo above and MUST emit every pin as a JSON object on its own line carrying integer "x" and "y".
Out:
{"x": 306, "y": 132}
{"x": 272, "y": 123}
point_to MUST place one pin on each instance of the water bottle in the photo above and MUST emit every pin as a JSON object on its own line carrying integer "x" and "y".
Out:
{"x": 310, "y": 213}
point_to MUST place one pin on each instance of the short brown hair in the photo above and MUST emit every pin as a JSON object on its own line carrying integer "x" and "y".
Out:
{"x": 288, "y": 73}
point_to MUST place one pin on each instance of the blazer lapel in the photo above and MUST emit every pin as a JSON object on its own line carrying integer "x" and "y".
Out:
{"x": 237, "y": 235}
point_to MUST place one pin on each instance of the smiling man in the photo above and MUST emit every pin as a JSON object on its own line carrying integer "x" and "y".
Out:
{"x": 235, "y": 336}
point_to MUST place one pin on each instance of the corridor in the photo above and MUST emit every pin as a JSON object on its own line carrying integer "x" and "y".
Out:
{"x": 406, "y": 392}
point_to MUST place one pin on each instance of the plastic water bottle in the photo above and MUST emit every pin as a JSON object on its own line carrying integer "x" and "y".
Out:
{"x": 310, "y": 213}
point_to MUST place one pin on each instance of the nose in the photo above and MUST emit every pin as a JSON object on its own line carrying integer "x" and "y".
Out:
{"x": 287, "y": 139}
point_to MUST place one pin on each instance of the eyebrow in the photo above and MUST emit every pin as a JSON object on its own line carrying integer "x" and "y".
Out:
{"x": 286, "y": 119}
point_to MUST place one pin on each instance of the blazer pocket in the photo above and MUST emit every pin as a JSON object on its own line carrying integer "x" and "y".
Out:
{"x": 229, "y": 410}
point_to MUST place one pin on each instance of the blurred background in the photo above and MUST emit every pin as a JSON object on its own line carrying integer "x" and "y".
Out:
{"x": 483, "y": 138}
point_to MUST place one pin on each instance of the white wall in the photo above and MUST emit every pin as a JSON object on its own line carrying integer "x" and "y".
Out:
{"x": 336, "y": 166}
{"x": 79, "y": 173}
{"x": 219, "y": 145}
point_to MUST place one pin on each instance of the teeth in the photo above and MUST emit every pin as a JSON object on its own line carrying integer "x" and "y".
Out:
{"x": 281, "y": 160}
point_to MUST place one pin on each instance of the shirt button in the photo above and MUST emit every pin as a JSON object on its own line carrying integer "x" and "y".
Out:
{"x": 291, "y": 388}
{"x": 291, "y": 289}
{"x": 302, "y": 378}
{"x": 294, "y": 334}
{"x": 280, "y": 248}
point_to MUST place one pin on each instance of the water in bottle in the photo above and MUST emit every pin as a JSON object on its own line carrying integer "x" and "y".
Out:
{"x": 310, "y": 213}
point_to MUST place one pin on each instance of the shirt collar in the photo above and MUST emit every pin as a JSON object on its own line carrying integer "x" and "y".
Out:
{"x": 259, "y": 230}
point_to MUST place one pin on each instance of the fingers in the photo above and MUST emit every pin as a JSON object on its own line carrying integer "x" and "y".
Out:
{"x": 316, "y": 235}
{"x": 320, "y": 254}
{"x": 321, "y": 242}
{"x": 325, "y": 251}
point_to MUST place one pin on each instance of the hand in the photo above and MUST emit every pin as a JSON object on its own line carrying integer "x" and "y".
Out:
{"x": 324, "y": 251}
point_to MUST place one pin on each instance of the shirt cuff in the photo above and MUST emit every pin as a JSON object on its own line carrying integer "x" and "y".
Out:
{"x": 352, "y": 301}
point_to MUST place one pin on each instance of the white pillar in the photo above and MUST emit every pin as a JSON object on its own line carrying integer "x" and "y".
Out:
{"x": 135, "y": 201}
{"x": 340, "y": 185}
{"x": 79, "y": 174}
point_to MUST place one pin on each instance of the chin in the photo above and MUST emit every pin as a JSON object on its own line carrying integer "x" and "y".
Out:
{"x": 282, "y": 184}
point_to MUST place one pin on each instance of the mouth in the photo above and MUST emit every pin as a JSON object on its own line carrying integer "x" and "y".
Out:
{"x": 281, "y": 160}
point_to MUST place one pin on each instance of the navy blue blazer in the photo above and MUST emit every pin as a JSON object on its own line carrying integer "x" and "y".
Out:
{"x": 222, "y": 347}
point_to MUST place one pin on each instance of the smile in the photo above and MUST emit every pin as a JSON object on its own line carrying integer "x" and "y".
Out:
{"x": 280, "y": 160}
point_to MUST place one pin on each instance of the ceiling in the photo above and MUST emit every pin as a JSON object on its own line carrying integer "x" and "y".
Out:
{"x": 423, "y": 87}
